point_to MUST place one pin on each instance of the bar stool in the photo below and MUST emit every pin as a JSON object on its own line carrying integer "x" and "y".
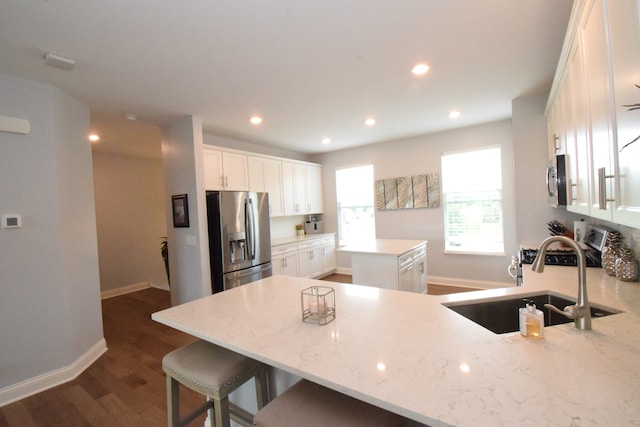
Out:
{"x": 214, "y": 372}
{"x": 307, "y": 404}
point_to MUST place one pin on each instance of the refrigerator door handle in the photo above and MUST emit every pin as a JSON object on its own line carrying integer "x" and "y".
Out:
{"x": 250, "y": 226}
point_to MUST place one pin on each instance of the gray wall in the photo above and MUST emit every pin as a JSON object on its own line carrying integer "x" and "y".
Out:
{"x": 49, "y": 285}
{"x": 131, "y": 219}
{"x": 184, "y": 174}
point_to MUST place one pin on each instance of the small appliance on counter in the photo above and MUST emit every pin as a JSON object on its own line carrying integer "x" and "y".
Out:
{"x": 314, "y": 225}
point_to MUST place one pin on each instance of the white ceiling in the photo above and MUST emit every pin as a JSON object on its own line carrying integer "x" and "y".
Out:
{"x": 311, "y": 68}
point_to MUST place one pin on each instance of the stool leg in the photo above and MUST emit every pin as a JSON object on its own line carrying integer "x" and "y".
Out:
{"x": 173, "y": 402}
{"x": 262, "y": 389}
{"x": 221, "y": 409}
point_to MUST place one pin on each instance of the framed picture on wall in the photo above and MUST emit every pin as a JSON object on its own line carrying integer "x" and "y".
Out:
{"x": 180, "y": 210}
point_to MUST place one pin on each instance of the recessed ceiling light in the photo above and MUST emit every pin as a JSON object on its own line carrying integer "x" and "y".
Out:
{"x": 454, "y": 114}
{"x": 94, "y": 138}
{"x": 370, "y": 122}
{"x": 420, "y": 69}
{"x": 256, "y": 120}
{"x": 326, "y": 141}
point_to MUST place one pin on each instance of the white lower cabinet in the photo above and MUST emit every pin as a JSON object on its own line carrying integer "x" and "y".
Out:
{"x": 412, "y": 274}
{"x": 329, "y": 262}
{"x": 284, "y": 259}
{"x": 310, "y": 258}
{"x": 405, "y": 272}
{"x": 314, "y": 257}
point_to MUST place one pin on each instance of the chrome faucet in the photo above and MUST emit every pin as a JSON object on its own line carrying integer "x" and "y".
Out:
{"x": 580, "y": 311}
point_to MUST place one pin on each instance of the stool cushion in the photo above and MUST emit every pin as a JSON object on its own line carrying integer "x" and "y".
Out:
{"x": 209, "y": 369}
{"x": 307, "y": 404}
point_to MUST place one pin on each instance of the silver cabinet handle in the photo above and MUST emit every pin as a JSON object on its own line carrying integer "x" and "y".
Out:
{"x": 602, "y": 190}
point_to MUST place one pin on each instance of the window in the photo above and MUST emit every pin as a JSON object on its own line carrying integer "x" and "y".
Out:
{"x": 356, "y": 215}
{"x": 472, "y": 194}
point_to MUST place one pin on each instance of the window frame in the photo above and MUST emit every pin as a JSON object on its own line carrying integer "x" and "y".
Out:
{"x": 341, "y": 239}
{"x": 498, "y": 244}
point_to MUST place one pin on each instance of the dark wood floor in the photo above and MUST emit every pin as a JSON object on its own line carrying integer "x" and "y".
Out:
{"x": 126, "y": 385}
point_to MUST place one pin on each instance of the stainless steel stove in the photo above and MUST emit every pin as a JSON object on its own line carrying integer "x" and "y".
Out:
{"x": 561, "y": 257}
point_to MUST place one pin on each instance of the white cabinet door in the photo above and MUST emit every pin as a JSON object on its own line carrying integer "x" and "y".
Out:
{"x": 601, "y": 121}
{"x": 405, "y": 279}
{"x": 579, "y": 150}
{"x": 420, "y": 272}
{"x": 213, "y": 178}
{"x": 329, "y": 256}
{"x": 285, "y": 264}
{"x": 314, "y": 189}
{"x": 310, "y": 262}
{"x": 624, "y": 27}
{"x": 257, "y": 174}
{"x": 225, "y": 171}
{"x": 289, "y": 189}
{"x": 277, "y": 262}
{"x": 236, "y": 171}
{"x": 273, "y": 177}
{"x": 294, "y": 188}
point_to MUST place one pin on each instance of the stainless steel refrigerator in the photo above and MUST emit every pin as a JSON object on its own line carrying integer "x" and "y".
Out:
{"x": 239, "y": 238}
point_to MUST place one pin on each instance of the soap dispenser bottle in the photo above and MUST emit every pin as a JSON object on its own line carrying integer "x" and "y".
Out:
{"x": 531, "y": 321}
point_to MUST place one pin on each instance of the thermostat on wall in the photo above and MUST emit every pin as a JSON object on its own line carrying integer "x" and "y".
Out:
{"x": 11, "y": 221}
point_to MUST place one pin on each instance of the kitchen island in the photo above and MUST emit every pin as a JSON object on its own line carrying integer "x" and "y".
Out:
{"x": 409, "y": 354}
{"x": 389, "y": 263}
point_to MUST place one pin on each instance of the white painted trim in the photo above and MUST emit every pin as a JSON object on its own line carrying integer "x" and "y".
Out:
{"x": 53, "y": 378}
{"x": 124, "y": 290}
{"x": 467, "y": 283}
{"x": 164, "y": 286}
{"x": 343, "y": 270}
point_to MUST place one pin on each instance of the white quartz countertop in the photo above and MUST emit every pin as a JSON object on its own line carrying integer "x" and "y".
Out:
{"x": 383, "y": 246}
{"x": 296, "y": 239}
{"x": 409, "y": 354}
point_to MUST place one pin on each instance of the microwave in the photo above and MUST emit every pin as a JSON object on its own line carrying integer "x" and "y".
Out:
{"x": 557, "y": 183}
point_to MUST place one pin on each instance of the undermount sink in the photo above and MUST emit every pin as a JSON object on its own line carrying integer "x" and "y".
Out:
{"x": 501, "y": 316}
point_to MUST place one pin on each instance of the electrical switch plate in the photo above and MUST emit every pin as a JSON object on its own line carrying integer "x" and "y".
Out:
{"x": 11, "y": 221}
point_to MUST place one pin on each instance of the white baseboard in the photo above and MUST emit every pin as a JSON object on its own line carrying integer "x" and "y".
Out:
{"x": 164, "y": 286}
{"x": 54, "y": 378}
{"x": 343, "y": 270}
{"x": 467, "y": 283}
{"x": 124, "y": 290}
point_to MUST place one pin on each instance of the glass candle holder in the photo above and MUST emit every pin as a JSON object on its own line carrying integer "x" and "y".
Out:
{"x": 318, "y": 304}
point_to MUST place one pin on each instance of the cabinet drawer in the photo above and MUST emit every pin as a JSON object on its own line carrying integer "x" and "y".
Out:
{"x": 329, "y": 240}
{"x": 284, "y": 249}
{"x": 309, "y": 244}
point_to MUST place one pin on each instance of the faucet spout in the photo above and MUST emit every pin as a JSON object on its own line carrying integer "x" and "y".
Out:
{"x": 581, "y": 311}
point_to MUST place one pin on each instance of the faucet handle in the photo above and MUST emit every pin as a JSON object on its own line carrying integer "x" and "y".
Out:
{"x": 569, "y": 311}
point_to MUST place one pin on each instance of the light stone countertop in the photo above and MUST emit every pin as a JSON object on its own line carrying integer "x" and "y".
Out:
{"x": 409, "y": 354}
{"x": 296, "y": 239}
{"x": 383, "y": 246}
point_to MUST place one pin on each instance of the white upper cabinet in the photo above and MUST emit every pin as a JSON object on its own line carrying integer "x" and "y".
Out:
{"x": 587, "y": 117}
{"x": 302, "y": 188}
{"x": 273, "y": 185}
{"x": 294, "y": 187}
{"x": 578, "y": 146}
{"x": 624, "y": 31}
{"x": 314, "y": 189}
{"x": 598, "y": 75}
{"x": 225, "y": 170}
{"x": 257, "y": 174}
